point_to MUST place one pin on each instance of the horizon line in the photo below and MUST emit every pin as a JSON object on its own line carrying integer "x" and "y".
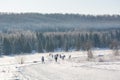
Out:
{"x": 58, "y": 13}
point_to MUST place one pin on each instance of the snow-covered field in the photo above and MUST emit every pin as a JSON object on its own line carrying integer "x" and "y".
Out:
{"x": 75, "y": 68}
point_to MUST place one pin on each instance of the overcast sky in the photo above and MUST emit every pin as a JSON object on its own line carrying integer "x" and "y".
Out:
{"x": 61, "y": 6}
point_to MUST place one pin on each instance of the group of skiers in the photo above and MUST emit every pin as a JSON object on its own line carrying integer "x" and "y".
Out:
{"x": 55, "y": 57}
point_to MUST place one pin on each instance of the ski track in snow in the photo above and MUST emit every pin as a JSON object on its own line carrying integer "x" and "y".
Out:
{"x": 62, "y": 70}
{"x": 56, "y": 71}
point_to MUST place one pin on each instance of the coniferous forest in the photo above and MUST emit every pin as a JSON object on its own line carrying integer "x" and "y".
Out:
{"x": 27, "y": 32}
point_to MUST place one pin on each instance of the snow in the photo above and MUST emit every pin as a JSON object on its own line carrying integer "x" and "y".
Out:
{"x": 76, "y": 68}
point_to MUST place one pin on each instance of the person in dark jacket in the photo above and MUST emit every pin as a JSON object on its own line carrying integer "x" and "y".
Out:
{"x": 42, "y": 59}
{"x": 56, "y": 57}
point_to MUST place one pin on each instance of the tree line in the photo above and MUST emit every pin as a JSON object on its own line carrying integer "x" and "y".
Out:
{"x": 17, "y": 42}
{"x": 56, "y": 22}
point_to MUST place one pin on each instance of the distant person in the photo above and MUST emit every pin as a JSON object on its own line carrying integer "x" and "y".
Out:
{"x": 42, "y": 59}
{"x": 63, "y": 57}
{"x": 69, "y": 56}
{"x": 52, "y": 56}
{"x": 56, "y": 57}
{"x": 60, "y": 56}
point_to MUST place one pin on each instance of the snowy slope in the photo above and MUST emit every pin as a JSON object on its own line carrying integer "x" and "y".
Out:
{"x": 76, "y": 68}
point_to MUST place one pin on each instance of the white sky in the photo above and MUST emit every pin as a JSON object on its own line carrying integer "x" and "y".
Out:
{"x": 61, "y": 6}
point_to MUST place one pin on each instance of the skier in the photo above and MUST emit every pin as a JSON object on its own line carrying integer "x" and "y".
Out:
{"x": 56, "y": 57}
{"x": 42, "y": 59}
{"x": 63, "y": 57}
{"x": 69, "y": 56}
{"x": 60, "y": 56}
